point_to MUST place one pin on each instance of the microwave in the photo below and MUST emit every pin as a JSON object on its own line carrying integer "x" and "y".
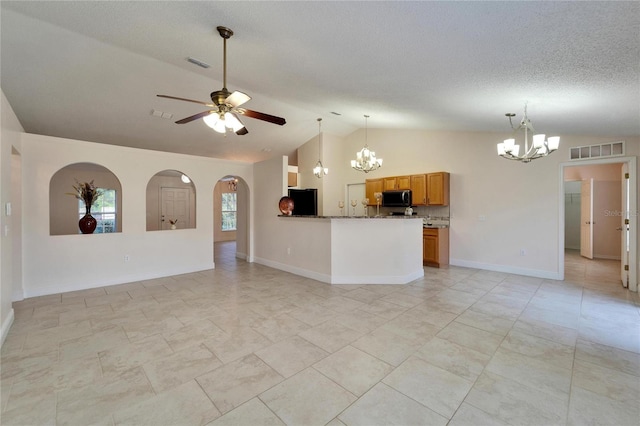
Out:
{"x": 396, "y": 198}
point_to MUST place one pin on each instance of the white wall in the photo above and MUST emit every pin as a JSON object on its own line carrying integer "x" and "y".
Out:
{"x": 9, "y": 228}
{"x": 63, "y": 263}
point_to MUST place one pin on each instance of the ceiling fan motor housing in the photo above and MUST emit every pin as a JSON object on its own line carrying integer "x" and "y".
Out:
{"x": 219, "y": 96}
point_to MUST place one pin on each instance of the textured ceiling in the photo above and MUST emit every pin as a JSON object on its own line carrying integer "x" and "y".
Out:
{"x": 90, "y": 70}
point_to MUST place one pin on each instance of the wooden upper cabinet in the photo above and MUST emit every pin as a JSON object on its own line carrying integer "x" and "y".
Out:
{"x": 389, "y": 183}
{"x": 371, "y": 187}
{"x": 419, "y": 190}
{"x": 438, "y": 189}
{"x": 403, "y": 182}
{"x": 431, "y": 189}
{"x": 397, "y": 183}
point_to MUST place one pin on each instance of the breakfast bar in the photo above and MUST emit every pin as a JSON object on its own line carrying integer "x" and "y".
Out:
{"x": 351, "y": 250}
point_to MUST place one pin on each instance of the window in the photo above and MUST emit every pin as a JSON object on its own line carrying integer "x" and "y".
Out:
{"x": 103, "y": 211}
{"x": 229, "y": 206}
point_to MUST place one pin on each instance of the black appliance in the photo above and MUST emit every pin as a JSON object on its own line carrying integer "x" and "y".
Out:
{"x": 305, "y": 202}
{"x": 396, "y": 198}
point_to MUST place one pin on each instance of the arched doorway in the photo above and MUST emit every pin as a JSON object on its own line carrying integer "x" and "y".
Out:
{"x": 231, "y": 218}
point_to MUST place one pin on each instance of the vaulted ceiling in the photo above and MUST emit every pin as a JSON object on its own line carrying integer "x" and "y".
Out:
{"x": 91, "y": 70}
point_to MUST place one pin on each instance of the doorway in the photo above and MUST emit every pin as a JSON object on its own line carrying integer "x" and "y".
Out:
{"x": 231, "y": 216}
{"x": 598, "y": 195}
{"x": 355, "y": 194}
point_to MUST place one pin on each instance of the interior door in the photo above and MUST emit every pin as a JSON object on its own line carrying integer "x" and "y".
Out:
{"x": 174, "y": 204}
{"x": 586, "y": 219}
{"x": 624, "y": 227}
{"x": 355, "y": 195}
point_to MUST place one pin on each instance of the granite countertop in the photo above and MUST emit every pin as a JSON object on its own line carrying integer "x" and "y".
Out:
{"x": 353, "y": 217}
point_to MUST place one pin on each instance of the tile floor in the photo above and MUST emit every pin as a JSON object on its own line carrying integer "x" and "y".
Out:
{"x": 248, "y": 345}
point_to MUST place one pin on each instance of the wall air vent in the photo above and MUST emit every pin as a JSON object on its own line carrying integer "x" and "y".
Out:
{"x": 612, "y": 149}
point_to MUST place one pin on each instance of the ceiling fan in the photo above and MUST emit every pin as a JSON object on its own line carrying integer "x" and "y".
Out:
{"x": 225, "y": 105}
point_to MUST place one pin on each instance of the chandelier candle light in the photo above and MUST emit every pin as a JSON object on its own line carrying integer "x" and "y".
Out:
{"x": 366, "y": 160}
{"x": 539, "y": 147}
{"x": 319, "y": 170}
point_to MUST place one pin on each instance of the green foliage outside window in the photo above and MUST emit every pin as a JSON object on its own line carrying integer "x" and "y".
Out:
{"x": 229, "y": 206}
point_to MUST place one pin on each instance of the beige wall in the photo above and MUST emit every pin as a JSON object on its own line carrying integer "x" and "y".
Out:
{"x": 498, "y": 207}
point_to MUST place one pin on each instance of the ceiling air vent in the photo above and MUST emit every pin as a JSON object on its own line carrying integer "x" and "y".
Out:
{"x": 198, "y": 63}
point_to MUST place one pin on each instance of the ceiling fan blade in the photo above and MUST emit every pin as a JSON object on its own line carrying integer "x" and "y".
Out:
{"x": 261, "y": 116}
{"x": 242, "y": 131}
{"x": 237, "y": 98}
{"x": 187, "y": 100}
{"x": 194, "y": 117}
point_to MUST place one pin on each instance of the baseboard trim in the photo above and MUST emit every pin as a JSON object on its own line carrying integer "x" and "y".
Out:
{"x": 355, "y": 280}
{"x": 506, "y": 269}
{"x": 6, "y": 326}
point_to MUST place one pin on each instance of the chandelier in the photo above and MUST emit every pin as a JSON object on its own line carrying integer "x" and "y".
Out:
{"x": 366, "y": 160}
{"x": 539, "y": 147}
{"x": 319, "y": 170}
{"x": 233, "y": 184}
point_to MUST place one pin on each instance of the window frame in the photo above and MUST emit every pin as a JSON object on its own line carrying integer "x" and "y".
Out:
{"x": 224, "y": 212}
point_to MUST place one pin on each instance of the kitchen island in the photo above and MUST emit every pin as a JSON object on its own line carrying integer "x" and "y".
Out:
{"x": 349, "y": 250}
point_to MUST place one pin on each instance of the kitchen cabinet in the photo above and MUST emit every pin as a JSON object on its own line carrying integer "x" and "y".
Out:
{"x": 397, "y": 183}
{"x": 438, "y": 189}
{"x": 371, "y": 187}
{"x": 435, "y": 246}
{"x": 419, "y": 190}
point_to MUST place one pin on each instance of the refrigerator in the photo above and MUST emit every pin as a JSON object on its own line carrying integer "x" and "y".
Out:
{"x": 305, "y": 201}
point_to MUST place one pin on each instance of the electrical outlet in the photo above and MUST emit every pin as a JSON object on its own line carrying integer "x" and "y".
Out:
{"x": 288, "y": 250}
{"x": 126, "y": 258}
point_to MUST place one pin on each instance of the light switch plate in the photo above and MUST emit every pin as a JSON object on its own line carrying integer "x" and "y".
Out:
{"x": 7, "y": 209}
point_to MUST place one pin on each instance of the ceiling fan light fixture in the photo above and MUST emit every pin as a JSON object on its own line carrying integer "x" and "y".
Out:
{"x": 232, "y": 122}
{"x": 214, "y": 121}
{"x": 224, "y": 103}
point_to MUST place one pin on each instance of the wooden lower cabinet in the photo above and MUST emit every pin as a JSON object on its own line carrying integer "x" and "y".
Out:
{"x": 435, "y": 246}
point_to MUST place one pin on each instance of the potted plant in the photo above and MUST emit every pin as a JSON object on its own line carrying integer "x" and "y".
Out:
{"x": 89, "y": 194}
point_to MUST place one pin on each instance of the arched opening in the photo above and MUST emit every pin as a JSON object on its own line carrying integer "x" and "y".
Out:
{"x": 65, "y": 209}
{"x": 231, "y": 217}
{"x": 171, "y": 201}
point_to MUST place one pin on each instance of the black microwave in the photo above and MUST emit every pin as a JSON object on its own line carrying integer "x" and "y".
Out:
{"x": 396, "y": 198}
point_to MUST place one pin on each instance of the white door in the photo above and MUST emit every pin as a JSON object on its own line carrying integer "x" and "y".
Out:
{"x": 355, "y": 192}
{"x": 174, "y": 204}
{"x": 586, "y": 219}
{"x": 624, "y": 227}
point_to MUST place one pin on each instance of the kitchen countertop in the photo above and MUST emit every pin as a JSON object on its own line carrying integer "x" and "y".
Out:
{"x": 436, "y": 225}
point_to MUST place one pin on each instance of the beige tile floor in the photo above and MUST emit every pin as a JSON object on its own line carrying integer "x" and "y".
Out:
{"x": 248, "y": 345}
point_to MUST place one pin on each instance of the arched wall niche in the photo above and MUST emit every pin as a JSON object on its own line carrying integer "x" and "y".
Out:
{"x": 171, "y": 196}
{"x": 64, "y": 208}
